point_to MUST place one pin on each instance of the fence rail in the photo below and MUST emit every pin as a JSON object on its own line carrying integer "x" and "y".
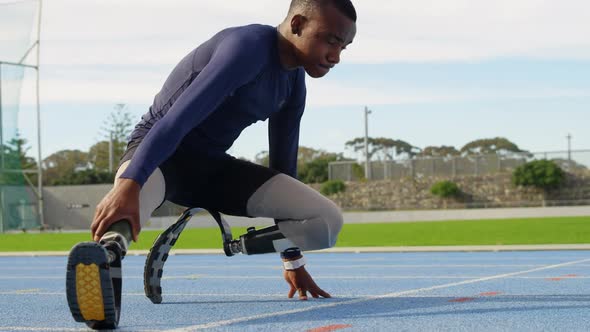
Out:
{"x": 572, "y": 161}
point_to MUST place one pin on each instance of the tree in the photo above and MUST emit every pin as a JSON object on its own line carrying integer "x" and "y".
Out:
{"x": 543, "y": 174}
{"x": 332, "y": 187}
{"x": 445, "y": 189}
{"x": 20, "y": 148}
{"x": 439, "y": 151}
{"x": 87, "y": 176}
{"x": 118, "y": 125}
{"x": 497, "y": 145}
{"x": 309, "y": 159}
{"x": 116, "y": 128}
{"x": 14, "y": 157}
{"x": 262, "y": 158}
{"x": 312, "y": 164}
{"x": 98, "y": 155}
{"x": 316, "y": 171}
{"x": 62, "y": 164}
{"x": 387, "y": 148}
{"x": 306, "y": 154}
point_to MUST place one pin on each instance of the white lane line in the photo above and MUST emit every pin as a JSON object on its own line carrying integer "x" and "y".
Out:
{"x": 25, "y": 328}
{"x": 273, "y": 266}
{"x": 319, "y": 277}
{"x": 58, "y": 329}
{"x": 270, "y": 266}
{"x": 346, "y": 266}
{"x": 397, "y": 249}
{"x": 38, "y": 291}
{"x": 277, "y": 295}
{"x": 165, "y": 294}
{"x": 355, "y": 301}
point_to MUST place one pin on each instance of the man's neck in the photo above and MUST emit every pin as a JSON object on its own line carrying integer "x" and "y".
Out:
{"x": 286, "y": 50}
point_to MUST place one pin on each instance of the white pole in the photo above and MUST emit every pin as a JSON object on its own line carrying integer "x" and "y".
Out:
{"x": 39, "y": 166}
{"x": 2, "y": 157}
{"x": 569, "y": 147}
{"x": 367, "y": 162}
{"x": 1, "y": 210}
{"x": 111, "y": 152}
{"x": 1, "y": 125}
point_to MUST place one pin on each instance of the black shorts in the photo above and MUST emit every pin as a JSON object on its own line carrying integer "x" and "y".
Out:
{"x": 222, "y": 183}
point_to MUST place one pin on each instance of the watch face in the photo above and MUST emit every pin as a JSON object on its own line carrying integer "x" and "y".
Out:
{"x": 292, "y": 265}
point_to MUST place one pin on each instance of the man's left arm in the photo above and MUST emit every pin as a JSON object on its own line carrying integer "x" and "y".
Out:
{"x": 283, "y": 135}
{"x": 283, "y": 131}
{"x": 283, "y": 141}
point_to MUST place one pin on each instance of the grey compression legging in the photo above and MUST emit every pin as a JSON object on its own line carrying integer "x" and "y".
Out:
{"x": 307, "y": 219}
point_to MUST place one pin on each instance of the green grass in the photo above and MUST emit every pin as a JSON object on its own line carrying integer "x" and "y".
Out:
{"x": 561, "y": 230}
{"x": 191, "y": 238}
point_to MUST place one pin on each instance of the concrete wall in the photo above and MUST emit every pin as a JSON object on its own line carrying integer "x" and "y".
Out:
{"x": 477, "y": 192}
{"x": 205, "y": 220}
{"x": 72, "y": 207}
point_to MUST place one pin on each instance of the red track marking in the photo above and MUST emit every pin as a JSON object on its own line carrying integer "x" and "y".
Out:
{"x": 563, "y": 277}
{"x": 489, "y": 294}
{"x": 330, "y": 328}
{"x": 462, "y": 299}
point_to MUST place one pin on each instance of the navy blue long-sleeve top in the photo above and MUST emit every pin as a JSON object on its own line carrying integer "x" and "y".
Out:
{"x": 223, "y": 86}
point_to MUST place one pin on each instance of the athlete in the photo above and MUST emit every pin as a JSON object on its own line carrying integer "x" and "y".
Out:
{"x": 177, "y": 152}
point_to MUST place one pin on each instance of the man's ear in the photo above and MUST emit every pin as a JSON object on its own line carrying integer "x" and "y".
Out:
{"x": 297, "y": 23}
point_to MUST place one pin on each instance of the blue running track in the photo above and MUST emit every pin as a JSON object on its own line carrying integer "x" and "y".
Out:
{"x": 478, "y": 291}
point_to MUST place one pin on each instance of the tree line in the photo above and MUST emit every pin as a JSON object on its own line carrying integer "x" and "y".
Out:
{"x": 383, "y": 148}
{"x": 72, "y": 167}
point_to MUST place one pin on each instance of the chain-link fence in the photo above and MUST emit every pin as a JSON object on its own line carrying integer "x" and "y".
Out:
{"x": 19, "y": 41}
{"x": 575, "y": 161}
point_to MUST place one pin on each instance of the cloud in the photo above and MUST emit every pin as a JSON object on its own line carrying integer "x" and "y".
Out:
{"x": 139, "y": 84}
{"x": 146, "y": 34}
{"x": 140, "y": 32}
{"x": 157, "y": 32}
{"x": 97, "y": 86}
{"x": 462, "y": 30}
{"x": 18, "y": 22}
{"x": 331, "y": 93}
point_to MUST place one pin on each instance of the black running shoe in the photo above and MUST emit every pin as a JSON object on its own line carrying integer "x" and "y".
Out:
{"x": 93, "y": 284}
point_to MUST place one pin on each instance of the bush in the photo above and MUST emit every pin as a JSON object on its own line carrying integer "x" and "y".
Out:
{"x": 445, "y": 189}
{"x": 316, "y": 171}
{"x": 544, "y": 174}
{"x": 88, "y": 176}
{"x": 358, "y": 172}
{"x": 332, "y": 187}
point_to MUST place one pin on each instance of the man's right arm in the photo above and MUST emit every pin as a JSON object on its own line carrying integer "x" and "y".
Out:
{"x": 121, "y": 203}
{"x": 236, "y": 61}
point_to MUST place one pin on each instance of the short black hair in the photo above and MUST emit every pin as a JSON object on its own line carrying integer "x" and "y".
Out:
{"x": 344, "y": 6}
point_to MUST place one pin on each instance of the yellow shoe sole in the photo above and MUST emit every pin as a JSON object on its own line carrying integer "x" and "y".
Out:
{"x": 89, "y": 288}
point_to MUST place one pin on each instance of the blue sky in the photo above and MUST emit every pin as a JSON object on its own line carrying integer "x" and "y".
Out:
{"x": 432, "y": 72}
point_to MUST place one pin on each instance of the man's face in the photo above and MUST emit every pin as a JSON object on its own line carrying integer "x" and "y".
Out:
{"x": 323, "y": 35}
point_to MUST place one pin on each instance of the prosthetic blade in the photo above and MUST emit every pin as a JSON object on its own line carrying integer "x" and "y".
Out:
{"x": 154, "y": 265}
